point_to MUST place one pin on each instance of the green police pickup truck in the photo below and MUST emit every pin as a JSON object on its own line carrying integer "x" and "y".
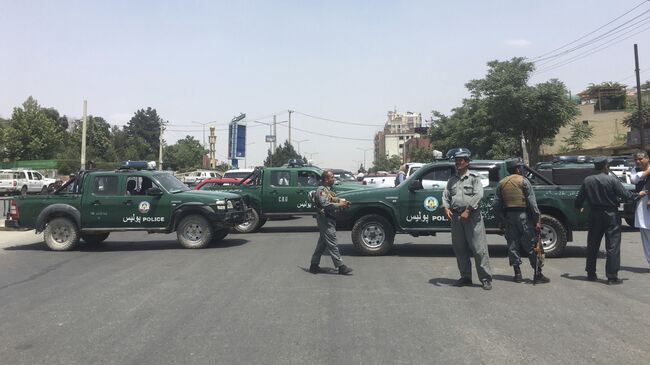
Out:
{"x": 280, "y": 191}
{"x": 95, "y": 203}
{"x": 415, "y": 207}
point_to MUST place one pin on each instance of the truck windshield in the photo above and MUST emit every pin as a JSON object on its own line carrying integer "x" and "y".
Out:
{"x": 171, "y": 183}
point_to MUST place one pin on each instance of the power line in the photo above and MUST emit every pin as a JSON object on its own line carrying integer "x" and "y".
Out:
{"x": 590, "y": 33}
{"x": 587, "y": 53}
{"x": 329, "y": 135}
{"x": 600, "y": 38}
{"x": 631, "y": 76}
{"x": 338, "y": 121}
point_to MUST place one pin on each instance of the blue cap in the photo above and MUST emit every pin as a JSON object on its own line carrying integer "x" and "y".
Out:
{"x": 601, "y": 161}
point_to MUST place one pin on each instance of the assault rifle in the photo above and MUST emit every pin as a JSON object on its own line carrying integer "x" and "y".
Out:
{"x": 539, "y": 257}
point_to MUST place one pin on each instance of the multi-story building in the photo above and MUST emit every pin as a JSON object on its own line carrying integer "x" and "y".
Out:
{"x": 398, "y": 130}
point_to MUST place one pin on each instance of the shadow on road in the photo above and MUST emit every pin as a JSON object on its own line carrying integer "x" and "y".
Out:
{"x": 289, "y": 229}
{"x": 638, "y": 270}
{"x": 109, "y": 246}
{"x": 603, "y": 280}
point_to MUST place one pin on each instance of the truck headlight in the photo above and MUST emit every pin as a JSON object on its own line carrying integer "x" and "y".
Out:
{"x": 221, "y": 204}
{"x": 229, "y": 205}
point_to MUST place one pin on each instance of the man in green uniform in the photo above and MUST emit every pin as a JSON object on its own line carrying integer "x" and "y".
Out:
{"x": 604, "y": 192}
{"x": 327, "y": 204}
{"x": 516, "y": 209}
{"x": 460, "y": 201}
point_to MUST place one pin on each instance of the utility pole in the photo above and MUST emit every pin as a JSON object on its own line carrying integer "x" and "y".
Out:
{"x": 290, "y": 111}
{"x": 160, "y": 148}
{"x": 638, "y": 98}
{"x": 275, "y": 134}
{"x": 83, "y": 135}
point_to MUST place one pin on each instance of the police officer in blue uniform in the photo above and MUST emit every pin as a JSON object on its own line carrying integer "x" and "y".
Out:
{"x": 460, "y": 201}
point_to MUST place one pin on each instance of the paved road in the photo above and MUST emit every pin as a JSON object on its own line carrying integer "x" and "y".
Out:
{"x": 141, "y": 299}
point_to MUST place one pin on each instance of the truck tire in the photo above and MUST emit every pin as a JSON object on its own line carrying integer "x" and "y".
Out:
{"x": 252, "y": 225}
{"x": 553, "y": 236}
{"x": 373, "y": 235}
{"x": 23, "y": 190}
{"x": 61, "y": 234}
{"x": 94, "y": 238}
{"x": 630, "y": 222}
{"x": 194, "y": 231}
{"x": 220, "y": 235}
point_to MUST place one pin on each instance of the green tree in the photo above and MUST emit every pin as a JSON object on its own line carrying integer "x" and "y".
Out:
{"x": 223, "y": 166}
{"x": 579, "y": 133}
{"x": 386, "y": 164}
{"x": 31, "y": 135}
{"x": 99, "y": 144}
{"x": 422, "y": 155}
{"x": 535, "y": 112}
{"x": 281, "y": 155}
{"x": 185, "y": 154}
{"x": 632, "y": 120}
{"x": 143, "y": 132}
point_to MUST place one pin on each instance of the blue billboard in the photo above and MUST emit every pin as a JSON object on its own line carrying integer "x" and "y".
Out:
{"x": 236, "y": 140}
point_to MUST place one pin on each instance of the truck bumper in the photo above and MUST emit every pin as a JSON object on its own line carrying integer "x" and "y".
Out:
{"x": 232, "y": 218}
{"x": 11, "y": 224}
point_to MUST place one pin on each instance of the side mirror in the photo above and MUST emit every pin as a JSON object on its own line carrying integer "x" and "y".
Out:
{"x": 416, "y": 185}
{"x": 154, "y": 191}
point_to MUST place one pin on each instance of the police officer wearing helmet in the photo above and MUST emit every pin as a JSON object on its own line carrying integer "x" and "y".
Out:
{"x": 604, "y": 192}
{"x": 516, "y": 209}
{"x": 460, "y": 201}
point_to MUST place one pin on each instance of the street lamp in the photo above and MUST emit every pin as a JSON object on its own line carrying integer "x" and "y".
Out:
{"x": 364, "y": 155}
{"x": 203, "y": 124}
{"x": 299, "y": 142}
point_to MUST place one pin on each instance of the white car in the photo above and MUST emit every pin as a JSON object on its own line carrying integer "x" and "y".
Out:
{"x": 238, "y": 173}
{"x": 196, "y": 177}
{"x": 27, "y": 181}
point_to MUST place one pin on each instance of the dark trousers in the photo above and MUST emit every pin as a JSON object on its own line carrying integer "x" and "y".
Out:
{"x": 604, "y": 222}
{"x": 521, "y": 237}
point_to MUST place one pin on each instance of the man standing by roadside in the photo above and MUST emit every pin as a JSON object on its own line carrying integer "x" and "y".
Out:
{"x": 603, "y": 192}
{"x": 327, "y": 204}
{"x": 642, "y": 214}
{"x": 516, "y": 209}
{"x": 460, "y": 201}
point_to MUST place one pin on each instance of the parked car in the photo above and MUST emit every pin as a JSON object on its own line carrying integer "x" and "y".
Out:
{"x": 196, "y": 177}
{"x": 212, "y": 182}
{"x": 238, "y": 173}
{"x": 27, "y": 181}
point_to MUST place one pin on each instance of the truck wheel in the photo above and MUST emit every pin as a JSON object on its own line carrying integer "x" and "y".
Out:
{"x": 630, "y": 222}
{"x": 553, "y": 236}
{"x": 61, "y": 234}
{"x": 251, "y": 225}
{"x": 194, "y": 231}
{"x": 220, "y": 235}
{"x": 94, "y": 238}
{"x": 373, "y": 235}
{"x": 23, "y": 190}
{"x": 44, "y": 189}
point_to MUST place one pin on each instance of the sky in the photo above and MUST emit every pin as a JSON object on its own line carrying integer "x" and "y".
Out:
{"x": 201, "y": 63}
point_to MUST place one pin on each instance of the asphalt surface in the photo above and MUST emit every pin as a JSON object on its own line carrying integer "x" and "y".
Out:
{"x": 141, "y": 299}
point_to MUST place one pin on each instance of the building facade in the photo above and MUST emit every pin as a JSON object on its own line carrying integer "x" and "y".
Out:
{"x": 399, "y": 129}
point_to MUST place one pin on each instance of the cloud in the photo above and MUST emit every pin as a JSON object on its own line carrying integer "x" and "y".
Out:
{"x": 517, "y": 42}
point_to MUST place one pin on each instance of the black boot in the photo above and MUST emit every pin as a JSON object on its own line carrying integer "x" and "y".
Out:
{"x": 540, "y": 278}
{"x": 315, "y": 269}
{"x": 517, "y": 278}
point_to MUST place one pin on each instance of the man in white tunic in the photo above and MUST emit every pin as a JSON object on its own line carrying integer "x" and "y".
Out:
{"x": 642, "y": 215}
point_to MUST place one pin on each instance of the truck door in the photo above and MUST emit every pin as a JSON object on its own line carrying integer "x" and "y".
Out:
{"x": 307, "y": 181}
{"x": 102, "y": 204}
{"x": 423, "y": 208}
{"x": 280, "y": 196}
{"x": 141, "y": 210}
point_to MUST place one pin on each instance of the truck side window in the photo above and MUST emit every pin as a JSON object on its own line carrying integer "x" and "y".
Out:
{"x": 307, "y": 178}
{"x": 280, "y": 178}
{"x": 105, "y": 185}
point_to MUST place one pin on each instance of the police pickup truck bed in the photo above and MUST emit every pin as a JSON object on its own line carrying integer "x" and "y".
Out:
{"x": 96, "y": 203}
{"x": 376, "y": 215}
